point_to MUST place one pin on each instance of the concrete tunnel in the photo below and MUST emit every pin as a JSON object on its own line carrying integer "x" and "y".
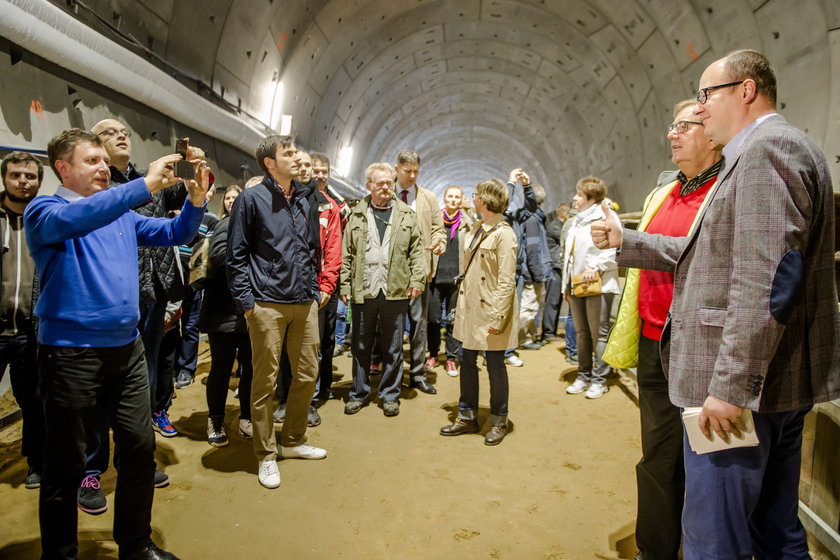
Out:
{"x": 562, "y": 88}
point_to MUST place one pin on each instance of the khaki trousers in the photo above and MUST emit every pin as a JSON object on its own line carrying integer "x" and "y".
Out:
{"x": 533, "y": 297}
{"x": 272, "y": 325}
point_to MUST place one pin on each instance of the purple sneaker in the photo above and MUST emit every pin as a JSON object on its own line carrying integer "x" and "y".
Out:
{"x": 91, "y": 498}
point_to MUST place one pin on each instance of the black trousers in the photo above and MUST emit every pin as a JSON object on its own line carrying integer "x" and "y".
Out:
{"x": 326, "y": 326}
{"x": 499, "y": 387}
{"x": 442, "y": 295}
{"x": 19, "y": 353}
{"x": 553, "y": 301}
{"x": 75, "y": 381}
{"x": 418, "y": 329}
{"x": 166, "y": 372}
{"x": 660, "y": 474}
{"x": 224, "y": 349}
{"x": 152, "y": 317}
{"x": 382, "y": 320}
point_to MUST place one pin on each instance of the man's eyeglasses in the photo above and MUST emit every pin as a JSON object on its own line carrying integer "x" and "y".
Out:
{"x": 703, "y": 94}
{"x": 110, "y": 132}
{"x": 681, "y": 126}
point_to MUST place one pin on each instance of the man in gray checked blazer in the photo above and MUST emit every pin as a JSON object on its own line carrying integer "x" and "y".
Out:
{"x": 754, "y": 322}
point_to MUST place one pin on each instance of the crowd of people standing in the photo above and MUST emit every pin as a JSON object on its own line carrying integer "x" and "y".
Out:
{"x": 116, "y": 274}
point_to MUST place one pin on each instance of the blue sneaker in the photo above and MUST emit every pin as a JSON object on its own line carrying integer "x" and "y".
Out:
{"x": 162, "y": 425}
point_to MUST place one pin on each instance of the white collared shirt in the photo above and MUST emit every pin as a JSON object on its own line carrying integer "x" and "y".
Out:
{"x": 67, "y": 194}
{"x": 412, "y": 196}
{"x": 731, "y": 148}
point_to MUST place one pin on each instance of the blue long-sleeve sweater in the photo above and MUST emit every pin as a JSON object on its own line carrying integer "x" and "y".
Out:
{"x": 85, "y": 250}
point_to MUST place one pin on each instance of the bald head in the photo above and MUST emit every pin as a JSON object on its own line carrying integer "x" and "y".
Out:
{"x": 116, "y": 138}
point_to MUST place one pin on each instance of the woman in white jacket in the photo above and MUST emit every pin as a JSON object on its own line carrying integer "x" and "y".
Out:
{"x": 591, "y": 314}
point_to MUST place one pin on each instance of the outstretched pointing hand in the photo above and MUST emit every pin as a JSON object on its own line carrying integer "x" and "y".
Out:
{"x": 607, "y": 233}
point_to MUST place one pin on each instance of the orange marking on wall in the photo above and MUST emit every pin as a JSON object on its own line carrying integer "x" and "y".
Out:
{"x": 691, "y": 52}
{"x": 281, "y": 44}
{"x": 36, "y": 107}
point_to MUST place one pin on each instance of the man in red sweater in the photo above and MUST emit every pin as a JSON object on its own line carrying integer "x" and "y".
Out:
{"x": 670, "y": 210}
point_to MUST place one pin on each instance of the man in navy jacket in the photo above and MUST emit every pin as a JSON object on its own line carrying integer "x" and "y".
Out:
{"x": 273, "y": 260}
{"x": 84, "y": 242}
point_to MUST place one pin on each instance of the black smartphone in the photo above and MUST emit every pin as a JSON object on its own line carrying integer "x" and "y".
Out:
{"x": 183, "y": 169}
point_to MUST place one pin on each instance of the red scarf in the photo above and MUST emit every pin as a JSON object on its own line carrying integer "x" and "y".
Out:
{"x": 452, "y": 223}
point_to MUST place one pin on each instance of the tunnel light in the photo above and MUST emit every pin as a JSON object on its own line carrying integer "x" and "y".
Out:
{"x": 277, "y": 106}
{"x": 344, "y": 161}
{"x": 272, "y": 103}
{"x": 285, "y": 125}
{"x": 267, "y": 100}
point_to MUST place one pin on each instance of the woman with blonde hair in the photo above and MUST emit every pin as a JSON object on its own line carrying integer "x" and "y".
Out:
{"x": 486, "y": 320}
{"x": 443, "y": 292}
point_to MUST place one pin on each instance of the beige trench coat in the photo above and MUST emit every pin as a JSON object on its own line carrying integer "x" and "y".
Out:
{"x": 487, "y": 296}
{"x": 432, "y": 231}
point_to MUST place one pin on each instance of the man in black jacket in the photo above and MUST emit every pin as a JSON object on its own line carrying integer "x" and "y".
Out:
{"x": 273, "y": 259}
{"x": 22, "y": 174}
{"x": 160, "y": 281}
{"x": 553, "y": 286}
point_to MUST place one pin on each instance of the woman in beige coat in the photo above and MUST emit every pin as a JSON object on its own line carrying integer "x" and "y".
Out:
{"x": 486, "y": 317}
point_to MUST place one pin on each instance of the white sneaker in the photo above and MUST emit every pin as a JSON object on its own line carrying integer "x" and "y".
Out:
{"x": 514, "y": 361}
{"x": 579, "y": 386}
{"x": 269, "y": 474}
{"x": 596, "y": 391}
{"x": 246, "y": 429}
{"x": 304, "y": 451}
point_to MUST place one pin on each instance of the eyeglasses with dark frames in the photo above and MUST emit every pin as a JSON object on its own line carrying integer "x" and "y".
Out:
{"x": 703, "y": 94}
{"x": 110, "y": 132}
{"x": 680, "y": 127}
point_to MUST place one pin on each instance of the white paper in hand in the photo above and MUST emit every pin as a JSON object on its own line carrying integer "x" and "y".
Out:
{"x": 701, "y": 444}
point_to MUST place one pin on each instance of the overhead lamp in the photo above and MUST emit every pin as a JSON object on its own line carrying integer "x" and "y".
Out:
{"x": 285, "y": 125}
{"x": 272, "y": 103}
{"x": 344, "y": 161}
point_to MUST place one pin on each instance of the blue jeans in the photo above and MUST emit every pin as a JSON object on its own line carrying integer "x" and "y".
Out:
{"x": 571, "y": 336}
{"x": 743, "y": 503}
{"x": 187, "y": 357}
{"x": 341, "y": 322}
{"x": 152, "y": 318}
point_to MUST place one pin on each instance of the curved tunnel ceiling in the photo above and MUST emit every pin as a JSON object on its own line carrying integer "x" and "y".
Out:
{"x": 563, "y": 88}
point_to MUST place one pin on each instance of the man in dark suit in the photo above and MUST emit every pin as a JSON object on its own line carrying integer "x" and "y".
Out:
{"x": 754, "y": 321}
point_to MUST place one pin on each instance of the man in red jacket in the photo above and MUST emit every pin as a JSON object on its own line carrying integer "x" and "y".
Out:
{"x": 330, "y": 228}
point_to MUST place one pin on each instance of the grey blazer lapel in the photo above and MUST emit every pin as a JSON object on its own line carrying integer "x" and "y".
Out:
{"x": 728, "y": 168}
{"x": 692, "y": 238}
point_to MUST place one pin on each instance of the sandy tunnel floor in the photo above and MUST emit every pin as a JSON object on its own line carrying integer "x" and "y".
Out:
{"x": 560, "y": 486}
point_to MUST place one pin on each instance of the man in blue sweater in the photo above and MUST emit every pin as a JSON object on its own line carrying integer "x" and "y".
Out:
{"x": 84, "y": 242}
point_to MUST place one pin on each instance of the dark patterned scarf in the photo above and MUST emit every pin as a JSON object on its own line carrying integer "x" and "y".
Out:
{"x": 688, "y": 186}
